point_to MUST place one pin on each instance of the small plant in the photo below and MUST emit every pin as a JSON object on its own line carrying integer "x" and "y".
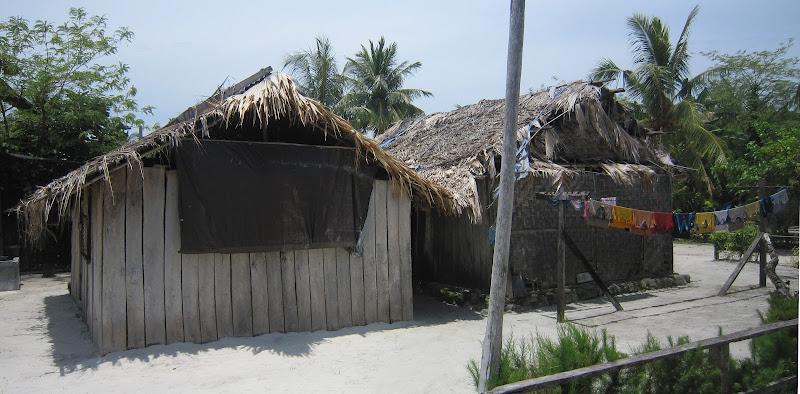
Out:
{"x": 453, "y": 297}
{"x": 736, "y": 241}
{"x": 574, "y": 347}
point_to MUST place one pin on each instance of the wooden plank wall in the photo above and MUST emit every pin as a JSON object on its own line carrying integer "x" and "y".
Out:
{"x": 136, "y": 289}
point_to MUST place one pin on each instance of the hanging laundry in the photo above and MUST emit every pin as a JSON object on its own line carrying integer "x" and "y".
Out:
{"x": 705, "y": 222}
{"x": 609, "y": 200}
{"x": 752, "y": 210}
{"x": 736, "y": 218}
{"x": 722, "y": 219}
{"x": 642, "y": 222}
{"x": 597, "y": 213}
{"x": 621, "y": 217}
{"x": 779, "y": 200}
{"x": 577, "y": 204}
{"x": 662, "y": 222}
{"x": 683, "y": 222}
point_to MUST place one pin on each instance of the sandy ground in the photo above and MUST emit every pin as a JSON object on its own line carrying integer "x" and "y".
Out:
{"x": 44, "y": 346}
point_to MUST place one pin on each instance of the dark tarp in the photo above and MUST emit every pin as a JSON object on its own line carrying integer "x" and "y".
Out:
{"x": 247, "y": 197}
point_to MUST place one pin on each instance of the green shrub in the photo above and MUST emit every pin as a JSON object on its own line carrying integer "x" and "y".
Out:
{"x": 773, "y": 356}
{"x": 692, "y": 372}
{"x": 736, "y": 241}
{"x": 574, "y": 347}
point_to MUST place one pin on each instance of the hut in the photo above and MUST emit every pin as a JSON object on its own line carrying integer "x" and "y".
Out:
{"x": 255, "y": 211}
{"x": 574, "y": 137}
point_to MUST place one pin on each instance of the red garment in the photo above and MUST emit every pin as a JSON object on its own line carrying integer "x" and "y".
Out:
{"x": 662, "y": 222}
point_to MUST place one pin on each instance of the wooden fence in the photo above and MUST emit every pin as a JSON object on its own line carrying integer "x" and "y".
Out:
{"x": 136, "y": 289}
{"x": 718, "y": 346}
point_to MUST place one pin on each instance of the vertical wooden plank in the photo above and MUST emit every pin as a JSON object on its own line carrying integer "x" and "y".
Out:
{"x": 241, "y": 295}
{"x": 114, "y": 321}
{"x": 357, "y": 289}
{"x": 302, "y": 289}
{"x": 97, "y": 264}
{"x": 85, "y": 259}
{"x": 190, "y": 295}
{"x": 316, "y": 280}
{"x": 222, "y": 294}
{"x": 134, "y": 278}
{"x": 343, "y": 287}
{"x": 393, "y": 247}
{"x": 289, "y": 295}
{"x": 206, "y": 291}
{"x": 370, "y": 262}
{"x": 153, "y": 254}
{"x": 331, "y": 292}
{"x": 406, "y": 284}
{"x": 382, "y": 251}
{"x": 74, "y": 256}
{"x": 172, "y": 261}
{"x": 258, "y": 285}
{"x": 275, "y": 292}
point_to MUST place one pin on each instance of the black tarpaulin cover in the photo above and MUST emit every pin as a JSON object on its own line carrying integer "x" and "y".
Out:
{"x": 247, "y": 197}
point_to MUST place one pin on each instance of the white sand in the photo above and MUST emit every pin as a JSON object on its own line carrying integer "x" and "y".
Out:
{"x": 44, "y": 346}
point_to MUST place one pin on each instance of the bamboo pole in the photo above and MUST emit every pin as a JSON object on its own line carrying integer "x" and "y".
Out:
{"x": 492, "y": 342}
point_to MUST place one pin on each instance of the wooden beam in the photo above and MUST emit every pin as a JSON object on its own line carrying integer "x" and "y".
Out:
{"x": 742, "y": 262}
{"x": 560, "y": 266}
{"x": 586, "y": 264}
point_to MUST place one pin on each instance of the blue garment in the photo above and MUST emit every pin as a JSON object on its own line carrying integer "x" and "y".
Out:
{"x": 683, "y": 222}
{"x": 779, "y": 200}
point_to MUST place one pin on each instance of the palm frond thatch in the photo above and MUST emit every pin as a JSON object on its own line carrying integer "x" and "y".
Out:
{"x": 271, "y": 96}
{"x": 579, "y": 124}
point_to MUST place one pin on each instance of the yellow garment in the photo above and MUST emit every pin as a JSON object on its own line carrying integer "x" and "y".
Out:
{"x": 751, "y": 211}
{"x": 705, "y": 222}
{"x": 621, "y": 217}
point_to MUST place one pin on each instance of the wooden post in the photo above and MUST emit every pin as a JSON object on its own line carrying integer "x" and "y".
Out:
{"x": 762, "y": 251}
{"x": 493, "y": 340}
{"x": 720, "y": 356}
{"x": 560, "y": 264}
{"x": 757, "y": 241}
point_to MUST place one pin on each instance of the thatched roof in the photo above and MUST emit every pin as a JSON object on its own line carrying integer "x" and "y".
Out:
{"x": 571, "y": 126}
{"x": 263, "y": 97}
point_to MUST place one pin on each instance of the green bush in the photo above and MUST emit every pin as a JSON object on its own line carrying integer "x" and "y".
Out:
{"x": 773, "y": 356}
{"x": 574, "y": 347}
{"x": 692, "y": 372}
{"x": 736, "y": 241}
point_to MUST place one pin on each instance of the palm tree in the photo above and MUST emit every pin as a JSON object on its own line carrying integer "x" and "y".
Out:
{"x": 662, "y": 84}
{"x": 316, "y": 72}
{"x": 377, "y": 98}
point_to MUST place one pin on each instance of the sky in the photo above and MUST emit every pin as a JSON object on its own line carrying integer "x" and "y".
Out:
{"x": 184, "y": 49}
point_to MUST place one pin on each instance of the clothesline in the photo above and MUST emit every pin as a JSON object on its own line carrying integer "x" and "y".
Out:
{"x": 605, "y": 213}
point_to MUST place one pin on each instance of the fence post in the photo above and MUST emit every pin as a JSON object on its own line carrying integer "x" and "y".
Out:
{"x": 716, "y": 252}
{"x": 762, "y": 225}
{"x": 721, "y": 356}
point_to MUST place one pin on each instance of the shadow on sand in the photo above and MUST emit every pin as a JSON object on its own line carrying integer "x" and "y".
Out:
{"x": 72, "y": 349}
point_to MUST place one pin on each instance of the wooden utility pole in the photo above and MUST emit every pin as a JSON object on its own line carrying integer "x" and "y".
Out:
{"x": 762, "y": 226}
{"x": 493, "y": 340}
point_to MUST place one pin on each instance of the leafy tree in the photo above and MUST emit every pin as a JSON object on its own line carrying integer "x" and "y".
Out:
{"x": 662, "y": 83}
{"x": 316, "y": 71}
{"x": 753, "y": 97}
{"x": 61, "y": 98}
{"x": 377, "y": 97}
